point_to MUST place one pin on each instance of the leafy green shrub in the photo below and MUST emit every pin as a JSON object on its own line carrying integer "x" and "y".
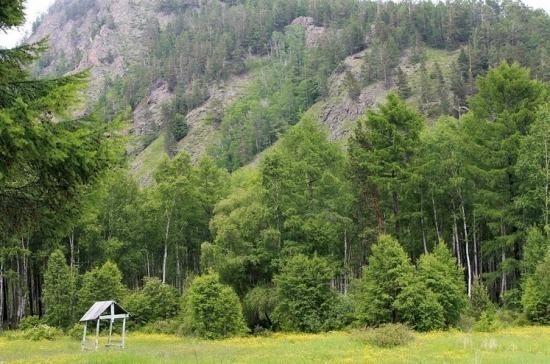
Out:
{"x": 382, "y": 282}
{"x": 479, "y": 299}
{"x": 306, "y": 301}
{"x": 101, "y": 284}
{"x": 466, "y": 323}
{"x": 512, "y": 300}
{"x": 29, "y": 322}
{"x": 76, "y": 331}
{"x": 487, "y": 322}
{"x": 442, "y": 275}
{"x": 258, "y": 307}
{"x": 386, "y": 336}
{"x": 536, "y": 296}
{"x": 511, "y": 318}
{"x": 35, "y": 333}
{"x": 418, "y": 306}
{"x": 168, "y": 327}
{"x": 212, "y": 310}
{"x": 155, "y": 301}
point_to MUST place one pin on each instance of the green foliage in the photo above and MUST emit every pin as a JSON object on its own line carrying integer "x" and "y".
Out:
{"x": 479, "y": 299}
{"x": 536, "y": 294}
{"x": 418, "y": 306}
{"x": 154, "y": 302}
{"x": 383, "y": 280}
{"x": 100, "y": 284}
{"x": 487, "y": 322}
{"x": 442, "y": 275}
{"x": 352, "y": 85}
{"x": 212, "y": 310}
{"x": 12, "y": 14}
{"x": 76, "y": 331}
{"x": 403, "y": 88}
{"x": 305, "y": 299}
{"x": 381, "y": 149}
{"x": 533, "y": 170}
{"x": 36, "y": 333}
{"x": 59, "y": 292}
{"x": 386, "y": 336}
{"x": 536, "y": 248}
{"x": 258, "y": 307}
{"x": 29, "y": 322}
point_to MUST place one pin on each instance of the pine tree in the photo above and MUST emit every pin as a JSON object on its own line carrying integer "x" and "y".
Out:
{"x": 442, "y": 275}
{"x": 403, "y": 88}
{"x": 59, "y": 292}
{"x": 382, "y": 149}
{"x": 100, "y": 284}
{"x": 383, "y": 280}
{"x": 536, "y": 296}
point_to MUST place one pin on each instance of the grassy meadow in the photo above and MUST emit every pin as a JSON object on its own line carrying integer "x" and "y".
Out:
{"x": 517, "y": 345}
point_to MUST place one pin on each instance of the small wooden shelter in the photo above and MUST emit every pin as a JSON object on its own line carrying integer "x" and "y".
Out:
{"x": 104, "y": 310}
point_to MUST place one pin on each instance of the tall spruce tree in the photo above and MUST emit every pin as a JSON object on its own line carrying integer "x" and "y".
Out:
{"x": 59, "y": 292}
{"x": 381, "y": 149}
{"x": 383, "y": 280}
{"x": 501, "y": 114}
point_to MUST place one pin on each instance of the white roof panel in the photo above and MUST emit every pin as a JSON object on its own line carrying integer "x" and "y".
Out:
{"x": 99, "y": 307}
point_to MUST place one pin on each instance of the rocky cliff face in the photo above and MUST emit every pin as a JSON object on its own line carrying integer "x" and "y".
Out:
{"x": 112, "y": 36}
{"x": 104, "y": 35}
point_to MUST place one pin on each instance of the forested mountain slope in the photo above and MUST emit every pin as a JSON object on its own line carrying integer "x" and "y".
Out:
{"x": 162, "y": 59}
{"x": 402, "y": 145}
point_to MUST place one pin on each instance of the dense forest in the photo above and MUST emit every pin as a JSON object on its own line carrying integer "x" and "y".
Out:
{"x": 433, "y": 210}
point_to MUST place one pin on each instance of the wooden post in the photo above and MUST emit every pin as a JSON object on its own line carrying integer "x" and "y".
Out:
{"x": 97, "y": 334}
{"x": 84, "y": 335}
{"x": 111, "y": 324}
{"x": 123, "y": 330}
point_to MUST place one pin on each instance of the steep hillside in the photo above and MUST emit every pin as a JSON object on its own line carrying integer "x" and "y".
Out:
{"x": 237, "y": 74}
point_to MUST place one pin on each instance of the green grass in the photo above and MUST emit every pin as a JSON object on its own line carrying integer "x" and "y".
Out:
{"x": 147, "y": 161}
{"x": 517, "y": 345}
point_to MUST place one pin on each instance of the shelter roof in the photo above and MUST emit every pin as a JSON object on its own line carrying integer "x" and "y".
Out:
{"x": 100, "y": 307}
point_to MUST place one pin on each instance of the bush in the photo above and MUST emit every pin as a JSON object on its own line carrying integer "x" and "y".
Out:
{"x": 536, "y": 296}
{"x": 487, "y": 322}
{"x": 306, "y": 301}
{"x": 418, "y": 306}
{"x": 258, "y": 307}
{"x": 479, "y": 300}
{"x": 168, "y": 327}
{"x": 212, "y": 310}
{"x": 382, "y": 282}
{"x": 29, "y": 322}
{"x": 155, "y": 301}
{"x": 76, "y": 331}
{"x": 36, "y": 333}
{"x": 386, "y": 336}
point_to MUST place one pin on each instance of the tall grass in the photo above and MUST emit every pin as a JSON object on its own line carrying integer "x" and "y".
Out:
{"x": 517, "y": 345}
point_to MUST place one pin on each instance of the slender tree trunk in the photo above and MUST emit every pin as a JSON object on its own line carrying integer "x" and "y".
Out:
{"x": 466, "y": 243}
{"x": 22, "y": 266}
{"x": 165, "y": 256}
{"x": 503, "y": 283}
{"x": 547, "y": 185}
{"x": 456, "y": 239}
{"x": 148, "y": 263}
{"x": 424, "y": 243}
{"x": 1, "y": 294}
{"x": 178, "y": 269}
{"x": 435, "y": 219}
{"x": 477, "y": 271}
{"x": 71, "y": 248}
